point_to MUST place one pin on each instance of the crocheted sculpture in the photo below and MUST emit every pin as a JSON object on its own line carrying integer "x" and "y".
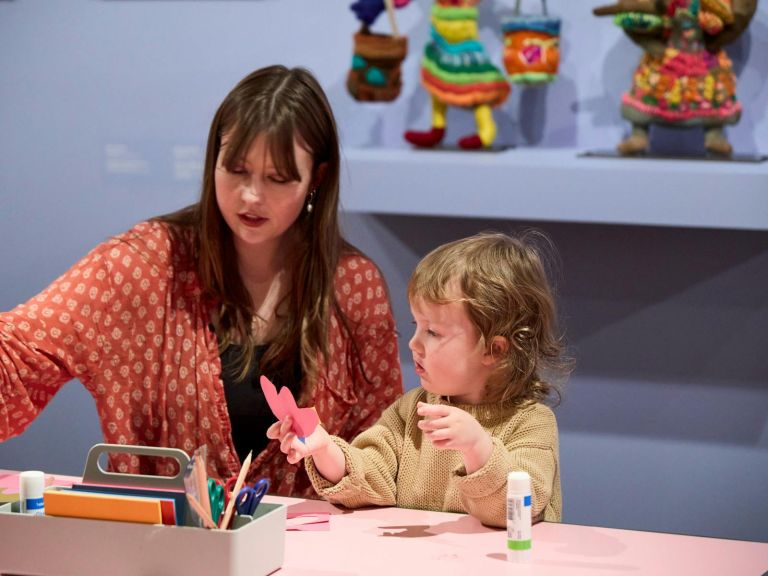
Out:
{"x": 684, "y": 78}
{"x": 375, "y": 72}
{"x": 531, "y": 46}
{"x": 456, "y": 71}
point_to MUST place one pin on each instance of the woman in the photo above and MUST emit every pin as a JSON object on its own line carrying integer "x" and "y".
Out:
{"x": 170, "y": 324}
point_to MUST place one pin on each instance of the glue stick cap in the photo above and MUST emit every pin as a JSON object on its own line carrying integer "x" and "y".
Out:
{"x": 518, "y": 483}
{"x": 31, "y": 486}
{"x": 33, "y": 481}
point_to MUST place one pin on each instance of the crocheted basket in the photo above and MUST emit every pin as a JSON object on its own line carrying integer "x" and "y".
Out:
{"x": 531, "y": 47}
{"x": 375, "y": 72}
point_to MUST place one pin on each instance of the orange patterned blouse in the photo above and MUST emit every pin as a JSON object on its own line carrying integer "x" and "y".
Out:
{"x": 129, "y": 322}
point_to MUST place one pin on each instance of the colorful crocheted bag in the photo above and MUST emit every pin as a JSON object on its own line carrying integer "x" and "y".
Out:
{"x": 531, "y": 46}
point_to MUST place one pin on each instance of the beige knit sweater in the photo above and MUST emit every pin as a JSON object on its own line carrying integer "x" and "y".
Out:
{"x": 392, "y": 464}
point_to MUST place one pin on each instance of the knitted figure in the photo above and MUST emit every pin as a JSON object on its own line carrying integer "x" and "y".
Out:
{"x": 456, "y": 71}
{"x": 375, "y": 73}
{"x": 684, "y": 78}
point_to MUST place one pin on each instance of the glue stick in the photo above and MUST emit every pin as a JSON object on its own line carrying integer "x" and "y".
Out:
{"x": 518, "y": 516}
{"x": 31, "y": 485}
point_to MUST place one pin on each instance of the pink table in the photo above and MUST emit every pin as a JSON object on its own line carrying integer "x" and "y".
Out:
{"x": 396, "y": 541}
{"x": 392, "y": 541}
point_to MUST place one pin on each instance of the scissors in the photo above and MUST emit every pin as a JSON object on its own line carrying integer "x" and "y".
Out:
{"x": 248, "y": 498}
{"x": 217, "y": 498}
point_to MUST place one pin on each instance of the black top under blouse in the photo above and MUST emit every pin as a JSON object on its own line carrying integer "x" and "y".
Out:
{"x": 249, "y": 412}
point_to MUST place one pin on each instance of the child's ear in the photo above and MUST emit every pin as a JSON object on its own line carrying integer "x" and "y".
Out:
{"x": 496, "y": 351}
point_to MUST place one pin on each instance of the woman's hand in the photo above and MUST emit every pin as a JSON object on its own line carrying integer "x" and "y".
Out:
{"x": 451, "y": 428}
{"x": 328, "y": 458}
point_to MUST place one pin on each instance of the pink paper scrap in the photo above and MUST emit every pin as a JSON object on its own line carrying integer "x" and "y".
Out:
{"x": 308, "y": 522}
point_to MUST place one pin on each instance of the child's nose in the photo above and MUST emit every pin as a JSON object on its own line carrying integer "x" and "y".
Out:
{"x": 414, "y": 344}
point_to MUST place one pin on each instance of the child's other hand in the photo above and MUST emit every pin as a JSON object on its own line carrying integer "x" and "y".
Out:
{"x": 448, "y": 427}
{"x": 290, "y": 444}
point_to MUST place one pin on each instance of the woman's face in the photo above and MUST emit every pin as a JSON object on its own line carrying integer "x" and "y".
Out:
{"x": 257, "y": 202}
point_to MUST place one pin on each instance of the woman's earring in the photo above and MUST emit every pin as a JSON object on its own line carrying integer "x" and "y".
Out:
{"x": 310, "y": 200}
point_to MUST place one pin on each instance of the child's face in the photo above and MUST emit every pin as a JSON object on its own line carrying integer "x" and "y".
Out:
{"x": 447, "y": 353}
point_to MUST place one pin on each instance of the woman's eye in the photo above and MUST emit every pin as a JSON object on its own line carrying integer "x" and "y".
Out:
{"x": 277, "y": 179}
{"x": 236, "y": 170}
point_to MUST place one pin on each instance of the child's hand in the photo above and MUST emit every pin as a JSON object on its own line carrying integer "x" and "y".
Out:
{"x": 290, "y": 444}
{"x": 448, "y": 427}
{"x": 328, "y": 458}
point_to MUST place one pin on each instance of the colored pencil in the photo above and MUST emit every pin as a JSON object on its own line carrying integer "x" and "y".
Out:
{"x": 236, "y": 491}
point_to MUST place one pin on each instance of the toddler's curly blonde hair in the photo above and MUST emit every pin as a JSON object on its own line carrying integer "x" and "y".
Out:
{"x": 504, "y": 287}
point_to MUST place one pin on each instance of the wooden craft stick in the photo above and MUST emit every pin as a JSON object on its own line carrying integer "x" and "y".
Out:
{"x": 236, "y": 491}
{"x": 202, "y": 484}
{"x": 197, "y": 507}
{"x": 391, "y": 14}
{"x": 625, "y": 6}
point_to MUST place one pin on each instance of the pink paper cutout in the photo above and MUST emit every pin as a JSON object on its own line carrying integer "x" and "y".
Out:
{"x": 309, "y": 522}
{"x": 9, "y": 481}
{"x": 273, "y": 400}
{"x": 305, "y": 420}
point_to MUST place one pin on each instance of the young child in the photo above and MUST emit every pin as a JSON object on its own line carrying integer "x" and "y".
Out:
{"x": 485, "y": 329}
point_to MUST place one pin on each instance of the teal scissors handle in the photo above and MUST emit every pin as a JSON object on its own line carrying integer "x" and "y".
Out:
{"x": 248, "y": 498}
{"x": 216, "y": 497}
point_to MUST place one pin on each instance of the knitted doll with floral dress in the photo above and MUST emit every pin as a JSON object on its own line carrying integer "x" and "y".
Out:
{"x": 684, "y": 79}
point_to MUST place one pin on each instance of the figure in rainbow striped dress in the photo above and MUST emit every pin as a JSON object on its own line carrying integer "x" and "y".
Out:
{"x": 684, "y": 78}
{"x": 455, "y": 70}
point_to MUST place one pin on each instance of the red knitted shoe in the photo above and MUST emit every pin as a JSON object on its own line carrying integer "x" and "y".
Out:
{"x": 427, "y": 139}
{"x": 472, "y": 142}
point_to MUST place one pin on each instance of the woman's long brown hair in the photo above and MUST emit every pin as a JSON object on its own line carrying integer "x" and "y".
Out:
{"x": 283, "y": 105}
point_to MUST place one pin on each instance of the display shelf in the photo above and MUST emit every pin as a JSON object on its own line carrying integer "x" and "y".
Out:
{"x": 556, "y": 185}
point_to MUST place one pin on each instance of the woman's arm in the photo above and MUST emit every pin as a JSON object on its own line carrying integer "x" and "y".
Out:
{"x": 52, "y": 338}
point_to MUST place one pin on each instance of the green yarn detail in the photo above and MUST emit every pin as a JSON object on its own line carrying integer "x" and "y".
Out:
{"x": 649, "y": 100}
{"x": 375, "y": 77}
{"x": 463, "y": 77}
{"x": 468, "y": 62}
{"x": 358, "y": 62}
{"x": 638, "y": 21}
{"x": 453, "y": 13}
{"x": 531, "y": 78}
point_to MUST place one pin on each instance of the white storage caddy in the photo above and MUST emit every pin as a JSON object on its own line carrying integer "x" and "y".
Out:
{"x": 56, "y": 546}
